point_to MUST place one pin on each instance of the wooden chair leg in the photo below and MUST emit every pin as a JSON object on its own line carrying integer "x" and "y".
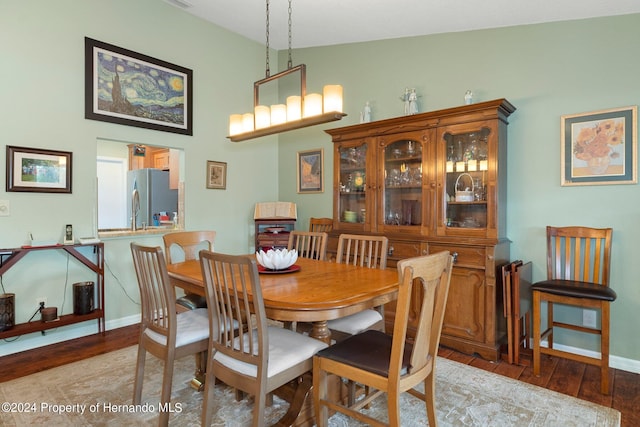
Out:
{"x": 430, "y": 400}
{"x": 604, "y": 347}
{"x": 393, "y": 408}
{"x": 550, "y": 323}
{"x": 137, "y": 386}
{"x": 321, "y": 412}
{"x": 536, "y": 333}
{"x": 208, "y": 399}
{"x": 165, "y": 396}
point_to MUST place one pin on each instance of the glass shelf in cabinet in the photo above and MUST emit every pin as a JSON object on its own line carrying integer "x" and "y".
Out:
{"x": 475, "y": 202}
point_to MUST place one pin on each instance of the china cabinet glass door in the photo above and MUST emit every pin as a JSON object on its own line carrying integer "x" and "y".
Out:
{"x": 402, "y": 187}
{"x": 353, "y": 177}
{"x": 466, "y": 178}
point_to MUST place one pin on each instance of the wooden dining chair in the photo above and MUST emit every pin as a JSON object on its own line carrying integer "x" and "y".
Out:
{"x": 364, "y": 251}
{"x": 164, "y": 333}
{"x": 578, "y": 262}
{"x": 391, "y": 364}
{"x": 183, "y": 246}
{"x": 321, "y": 224}
{"x": 255, "y": 357}
{"x": 309, "y": 244}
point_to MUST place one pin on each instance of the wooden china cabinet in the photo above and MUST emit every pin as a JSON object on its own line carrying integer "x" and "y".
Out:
{"x": 430, "y": 182}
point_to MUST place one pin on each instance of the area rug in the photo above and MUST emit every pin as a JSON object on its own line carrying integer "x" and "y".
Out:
{"x": 98, "y": 391}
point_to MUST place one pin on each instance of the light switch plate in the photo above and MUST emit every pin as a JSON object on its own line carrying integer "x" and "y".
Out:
{"x": 4, "y": 208}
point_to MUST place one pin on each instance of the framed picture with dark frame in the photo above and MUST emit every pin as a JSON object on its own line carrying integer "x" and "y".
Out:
{"x": 310, "y": 168}
{"x": 216, "y": 175}
{"x": 599, "y": 147}
{"x": 129, "y": 88}
{"x": 38, "y": 170}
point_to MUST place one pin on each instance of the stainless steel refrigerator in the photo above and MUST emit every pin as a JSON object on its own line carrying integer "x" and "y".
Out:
{"x": 154, "y": 194}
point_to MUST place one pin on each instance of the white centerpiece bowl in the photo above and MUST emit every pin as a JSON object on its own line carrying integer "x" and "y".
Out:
{"x": 277, "y": 259}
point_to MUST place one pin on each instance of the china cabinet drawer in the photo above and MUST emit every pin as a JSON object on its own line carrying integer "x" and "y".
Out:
{"x": 400, "y": 250}
{"x": 473, "y": 257}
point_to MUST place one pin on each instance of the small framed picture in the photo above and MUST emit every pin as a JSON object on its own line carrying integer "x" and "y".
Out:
{"x": 216, "y": 175}
{"x": 38, "y": 170}
{"x": 599, "y": 147}
{"x": 310, "y": 171}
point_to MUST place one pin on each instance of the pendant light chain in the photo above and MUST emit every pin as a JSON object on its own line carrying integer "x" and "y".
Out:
{"x": 290, "y": 63}
{"x": 267, "y": 70}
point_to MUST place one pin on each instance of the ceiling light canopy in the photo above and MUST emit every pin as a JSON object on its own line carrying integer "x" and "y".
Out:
{"x": 293, "y": 112}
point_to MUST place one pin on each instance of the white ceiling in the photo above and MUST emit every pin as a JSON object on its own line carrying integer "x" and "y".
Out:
{"x": 329, "y": 22}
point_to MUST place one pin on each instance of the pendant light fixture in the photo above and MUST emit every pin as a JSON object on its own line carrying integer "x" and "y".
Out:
{"x": 297, "y": 111}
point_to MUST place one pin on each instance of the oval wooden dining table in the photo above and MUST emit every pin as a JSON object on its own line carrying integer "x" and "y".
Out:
{"x": 317, "y": 292}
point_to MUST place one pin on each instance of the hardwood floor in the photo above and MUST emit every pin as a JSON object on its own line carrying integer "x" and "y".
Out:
{"x": 564, "y": 376}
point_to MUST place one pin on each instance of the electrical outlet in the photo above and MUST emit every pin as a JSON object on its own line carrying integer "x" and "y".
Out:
{"x": 41, "y": 300}
{"x": 4, "y": 208}
{"x": 589, "y": 318}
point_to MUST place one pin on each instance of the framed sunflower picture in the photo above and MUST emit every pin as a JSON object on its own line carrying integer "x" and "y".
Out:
{"x": 310, "y": 171}
{"x": 599, "y": 147}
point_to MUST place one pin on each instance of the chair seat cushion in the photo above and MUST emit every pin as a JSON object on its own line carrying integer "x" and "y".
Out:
{"x": 286, "y": 349}
{"x": 192, "y": 301}
{"x": 370, "y": 350}
{"x": 355, "y": 323}
{"x": 576, "y": 289}
{"x": 192, "y": 326}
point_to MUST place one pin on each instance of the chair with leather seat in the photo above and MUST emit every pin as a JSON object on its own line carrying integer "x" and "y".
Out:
{"x": 391, "y": 364}
{"x": 309, "y": 244}
{"x": 164, "y": 333}
{"x": 182, "y": 246}
{"x": 578, "y": 267}
{"x": 364, "y": 251}
{"x": 321, "y": 224}
{"x": 255, "y": 357}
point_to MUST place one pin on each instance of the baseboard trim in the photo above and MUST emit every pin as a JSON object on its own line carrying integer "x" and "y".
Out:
{"x": 622, "y": 363}
{"x": 65, "y": 333}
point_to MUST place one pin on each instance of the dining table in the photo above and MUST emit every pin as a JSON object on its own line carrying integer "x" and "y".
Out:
{"x": 309, "y": 291}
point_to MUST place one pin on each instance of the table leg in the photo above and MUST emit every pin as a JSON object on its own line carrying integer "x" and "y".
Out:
{"x": 300, "y": 395}
{"x": 201, "y": 371}
{"x": 321, "y": 331}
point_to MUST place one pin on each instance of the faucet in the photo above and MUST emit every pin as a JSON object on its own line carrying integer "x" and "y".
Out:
{"x": 135, "y": 209}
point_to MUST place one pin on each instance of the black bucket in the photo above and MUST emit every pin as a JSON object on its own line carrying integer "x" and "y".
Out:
{"x": 83, "y": 298}
{"x": 7, "y": 311}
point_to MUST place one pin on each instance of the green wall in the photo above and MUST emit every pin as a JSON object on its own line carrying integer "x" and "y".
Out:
{"x": 42, "y": 106}
{"x": 545, "y": 70}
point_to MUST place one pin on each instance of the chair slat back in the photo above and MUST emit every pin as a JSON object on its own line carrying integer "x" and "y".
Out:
{"x": 579, "y": 253}
{"x": 321, "y": 224}
{"x": 309, "y": 244}
{"x": 233, "y": 292}
{"x": 365, "y": 251}
{"x": 185, "y": 245}
{"x": 157, "y": 295}
{"x": 433, "y": 274}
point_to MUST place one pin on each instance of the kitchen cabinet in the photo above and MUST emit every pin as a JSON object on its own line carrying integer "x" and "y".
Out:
{"x": 429, "y": 182}
{"x": 161, "y": 160}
